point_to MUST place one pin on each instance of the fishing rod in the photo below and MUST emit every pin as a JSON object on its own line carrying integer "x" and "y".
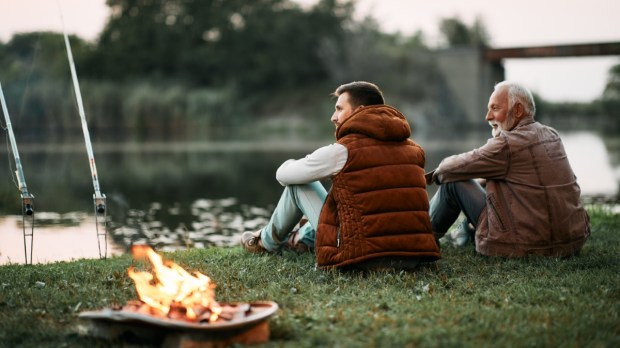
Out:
{"x": 27, "y": 198}
{"x": 99, "y": 199}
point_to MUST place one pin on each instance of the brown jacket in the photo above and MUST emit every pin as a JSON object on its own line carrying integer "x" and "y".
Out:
{"x": 533, "y": 199}
{"x": 378, "y": 205}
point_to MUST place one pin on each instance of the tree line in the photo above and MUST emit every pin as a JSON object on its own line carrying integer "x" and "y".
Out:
{"x": 186, "y": 69}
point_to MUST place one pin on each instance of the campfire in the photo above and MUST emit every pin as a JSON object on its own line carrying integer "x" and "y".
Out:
{"x": 178, "y": 308}
{"x": 172, "y": 291}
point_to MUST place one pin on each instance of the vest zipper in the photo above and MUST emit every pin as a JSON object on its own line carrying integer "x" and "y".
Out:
{"x": 338, "y": 237}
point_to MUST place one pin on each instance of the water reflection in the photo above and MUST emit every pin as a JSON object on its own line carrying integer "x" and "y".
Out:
{"x": 55, "y": 239}
{"x": 591, "y": 162}
{"x": 203, "y": 223}
{"x": 176, "y": 196}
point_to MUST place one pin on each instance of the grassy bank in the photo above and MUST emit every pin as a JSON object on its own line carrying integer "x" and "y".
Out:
{"x": 463, "y": 300}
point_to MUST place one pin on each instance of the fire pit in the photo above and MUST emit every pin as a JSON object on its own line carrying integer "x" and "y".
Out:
{"x": 178, "y": 309}
{"x": 250, "y": 328}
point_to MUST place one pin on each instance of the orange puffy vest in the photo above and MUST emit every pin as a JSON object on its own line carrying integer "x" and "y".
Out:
{"x": 377, "y": 206}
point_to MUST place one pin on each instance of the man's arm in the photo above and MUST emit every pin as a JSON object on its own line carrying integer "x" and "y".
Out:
{"x": 490, "y": 161}
{"x": 323, "y": 163}
{"x": 430, "y": 177}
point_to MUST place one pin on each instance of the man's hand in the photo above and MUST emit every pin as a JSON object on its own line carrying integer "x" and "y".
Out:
{"x": 429, "y": 177}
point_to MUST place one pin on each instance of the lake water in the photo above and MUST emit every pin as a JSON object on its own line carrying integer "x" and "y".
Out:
{"x": 183, "y": 195}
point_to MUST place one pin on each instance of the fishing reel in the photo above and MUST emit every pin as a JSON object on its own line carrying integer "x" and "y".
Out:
{"x": 28, "y": 204}
{"x": 99, "y": 204}
{"x": 100, "y": 212}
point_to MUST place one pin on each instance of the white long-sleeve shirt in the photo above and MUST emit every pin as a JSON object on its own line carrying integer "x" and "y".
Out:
{"x": 323, "y": 163}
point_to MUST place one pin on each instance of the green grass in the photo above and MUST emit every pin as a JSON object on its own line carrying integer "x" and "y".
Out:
{"x": 463, "y": 300}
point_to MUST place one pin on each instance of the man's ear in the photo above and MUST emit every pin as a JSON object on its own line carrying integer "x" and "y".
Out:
{"x": 359, "y": 107}
{"x": 519, "y": 111}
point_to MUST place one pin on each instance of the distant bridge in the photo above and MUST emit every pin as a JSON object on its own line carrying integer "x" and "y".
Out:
{"x": 471, "y": 72}
{"x": 577, "y": 50}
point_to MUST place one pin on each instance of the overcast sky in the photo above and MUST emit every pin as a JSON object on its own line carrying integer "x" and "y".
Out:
{"x": 509, "y": 23}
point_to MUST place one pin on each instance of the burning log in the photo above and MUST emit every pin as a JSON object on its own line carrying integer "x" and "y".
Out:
{"x": 228, "y": 312}
{"x": 173, "y": 287}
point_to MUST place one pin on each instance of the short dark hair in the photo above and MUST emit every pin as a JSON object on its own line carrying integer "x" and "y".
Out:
{"x": 361, "y": 93}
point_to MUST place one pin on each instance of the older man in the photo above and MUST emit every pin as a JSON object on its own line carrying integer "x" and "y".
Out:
{"x": 531, "y": 205}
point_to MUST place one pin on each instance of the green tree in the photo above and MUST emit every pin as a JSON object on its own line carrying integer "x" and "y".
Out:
{"x": 36, "y": 80}
{"x": 612, "y": 87}
{"x": 264, "y": 44}
{"x": 39, "y": 55}
{"x": 611, "y": 95}
{"x": 457, "y": 33}
{"x": 402, "y": 66}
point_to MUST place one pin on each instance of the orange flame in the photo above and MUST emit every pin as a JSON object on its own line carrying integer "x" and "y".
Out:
{"x": 172, "y": 285}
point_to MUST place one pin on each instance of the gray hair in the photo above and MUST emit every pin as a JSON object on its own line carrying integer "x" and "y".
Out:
{"x": 518, "y": 93}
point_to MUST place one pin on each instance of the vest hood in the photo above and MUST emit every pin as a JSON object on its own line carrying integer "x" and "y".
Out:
{"x": 381, "y": 122}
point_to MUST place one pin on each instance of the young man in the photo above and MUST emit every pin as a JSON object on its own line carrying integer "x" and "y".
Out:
{"x": 531, "y": 205}
{"x": 376, "y": 212}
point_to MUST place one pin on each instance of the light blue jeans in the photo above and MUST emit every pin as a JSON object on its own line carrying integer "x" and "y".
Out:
{"x": 451, "y": 199}
{"x": 296, "y": 201}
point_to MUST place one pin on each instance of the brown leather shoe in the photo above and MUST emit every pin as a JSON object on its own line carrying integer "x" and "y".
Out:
{"x": 250, "y": 241}
{"x": 295, "y": 244}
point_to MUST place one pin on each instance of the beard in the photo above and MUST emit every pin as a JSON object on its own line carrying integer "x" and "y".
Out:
{"x": 507, "y": 125}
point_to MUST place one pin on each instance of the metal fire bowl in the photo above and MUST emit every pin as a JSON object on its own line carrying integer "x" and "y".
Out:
{"x": 128, "y": 325}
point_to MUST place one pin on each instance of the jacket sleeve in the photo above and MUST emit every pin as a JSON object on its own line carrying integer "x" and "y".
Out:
{"x": 323, "y": 163}
{"x": 491, "y": 161}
